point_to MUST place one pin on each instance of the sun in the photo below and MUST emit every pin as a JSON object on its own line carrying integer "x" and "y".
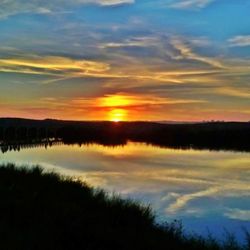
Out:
{"x": 115, "y": 101}
{"x": 117, "y": 115}
{"x": 115, "y": 106}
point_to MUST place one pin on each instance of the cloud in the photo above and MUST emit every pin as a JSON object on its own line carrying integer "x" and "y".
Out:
{"x": 184, "y": 199}
{"x": 12, "y": 7}
{"x": 241, "y": 93}
{"x": 185, "y": 52}
{"x": 63, "y": 68}
{"x": 123, "y": 100}
{"x": 113, "y": 2}
{"x": 238, "y": 214}
{"x": 52, "y": 65}
{"x": 239, "y": 41}
{"x": 100, "y": 107}
{"x": 190, "y": 4}
{"x": 132, "y": 42}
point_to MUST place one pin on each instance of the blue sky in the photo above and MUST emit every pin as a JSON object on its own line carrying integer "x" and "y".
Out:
{"x": 159, "y": 60}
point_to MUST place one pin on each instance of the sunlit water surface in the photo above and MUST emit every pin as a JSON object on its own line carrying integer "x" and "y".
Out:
{"x": 207, "y": 191}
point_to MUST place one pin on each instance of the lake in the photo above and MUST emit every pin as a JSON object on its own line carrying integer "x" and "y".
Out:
{"x": 206, "y": 190}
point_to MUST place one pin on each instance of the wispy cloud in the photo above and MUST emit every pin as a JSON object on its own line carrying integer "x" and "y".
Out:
{"x": 190, "y": 4}
{"x": 113, "y": 2}
{"x": 239, "y": 41}
{"x": 238, "y": 214}
{"x": 123, "y": 100}
{"x": 12, "y": 7}
{"x": 235, "y": 92}
{"x": 185, "y": 52}
{"x": 100, "y": 107}
{"x": 52, "y": 65}
{"x": 62, "y": 68}
{"x": 184, "y": 199}
{"x": 132, "y": 42}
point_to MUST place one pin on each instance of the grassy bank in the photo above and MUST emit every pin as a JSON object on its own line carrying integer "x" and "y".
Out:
{"x": 46, "y": 211}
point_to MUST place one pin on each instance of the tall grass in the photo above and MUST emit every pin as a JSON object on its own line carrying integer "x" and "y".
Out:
{"x": 40, "y": 210}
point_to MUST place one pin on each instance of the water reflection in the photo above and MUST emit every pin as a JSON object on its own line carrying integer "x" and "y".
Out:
{"x": 202, "y": 188}
{"x": 17, "y": 146}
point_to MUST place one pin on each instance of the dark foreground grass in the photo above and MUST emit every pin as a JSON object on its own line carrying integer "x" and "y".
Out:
{"x": 46, "y": 211}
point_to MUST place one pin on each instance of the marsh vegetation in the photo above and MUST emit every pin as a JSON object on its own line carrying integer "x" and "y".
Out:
{"x": 41, "y": 210}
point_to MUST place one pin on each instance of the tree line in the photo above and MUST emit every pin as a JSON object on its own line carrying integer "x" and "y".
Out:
{"x": 213, "y": 136}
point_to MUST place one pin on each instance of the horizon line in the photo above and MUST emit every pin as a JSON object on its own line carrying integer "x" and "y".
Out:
{"x": 127, "y": 121}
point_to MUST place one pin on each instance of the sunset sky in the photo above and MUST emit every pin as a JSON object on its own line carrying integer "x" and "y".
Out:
{"x": 181, "y": 60}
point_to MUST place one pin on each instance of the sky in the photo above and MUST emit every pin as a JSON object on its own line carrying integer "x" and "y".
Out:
{"x": 151, "y": 60}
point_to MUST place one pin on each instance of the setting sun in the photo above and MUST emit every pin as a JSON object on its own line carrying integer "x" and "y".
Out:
{"x": 115, "y": 101}
{"x": 116, "y": 106}
{"x": 117, "y": 115}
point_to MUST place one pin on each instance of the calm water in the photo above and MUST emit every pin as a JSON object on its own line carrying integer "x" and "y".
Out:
{"x": 206, "y": 190}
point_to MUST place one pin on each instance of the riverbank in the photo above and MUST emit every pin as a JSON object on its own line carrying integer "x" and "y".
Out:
{"x": 231, "y": 136}
{"x": 46, "y": 211}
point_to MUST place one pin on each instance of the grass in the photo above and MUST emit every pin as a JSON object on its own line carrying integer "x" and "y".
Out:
{"x": 40, "y": 210}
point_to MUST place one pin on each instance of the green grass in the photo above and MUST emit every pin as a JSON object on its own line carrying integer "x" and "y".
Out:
{"x": 40, "y": 210}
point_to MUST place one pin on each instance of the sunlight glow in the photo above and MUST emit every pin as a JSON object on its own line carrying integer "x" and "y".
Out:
{"x": 117, "y": 115}
{"x": 116, "y": 106}
{"x": 115, "y": 101}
